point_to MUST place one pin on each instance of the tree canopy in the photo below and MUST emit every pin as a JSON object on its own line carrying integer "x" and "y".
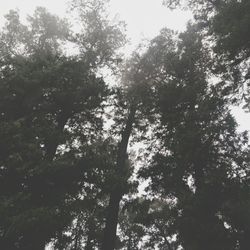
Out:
{"x": 76, "y": 149}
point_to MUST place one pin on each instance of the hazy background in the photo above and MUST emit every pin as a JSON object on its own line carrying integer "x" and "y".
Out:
{"x": 144, "y": 19}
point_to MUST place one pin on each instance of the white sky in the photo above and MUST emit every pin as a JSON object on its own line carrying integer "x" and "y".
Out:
{"x": 144, "y": 19}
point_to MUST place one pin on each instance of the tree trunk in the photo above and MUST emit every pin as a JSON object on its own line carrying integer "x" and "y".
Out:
{"x": 109, "y": 239}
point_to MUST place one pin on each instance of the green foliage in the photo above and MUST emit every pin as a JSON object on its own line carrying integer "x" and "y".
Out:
{"x": 200, "y": 154}
{"x": 51, "y": 107}
{"x": 225, "y": 25}
{"x": 68, "y": 180}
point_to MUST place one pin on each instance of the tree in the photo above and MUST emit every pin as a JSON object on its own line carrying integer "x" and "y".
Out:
{"x": 51, "y": 109}
{"x": 200, "y": 152}
{"x": 121, "y": 176}
{"x": 68, "y": 180}
{"x": 224, "y": 24}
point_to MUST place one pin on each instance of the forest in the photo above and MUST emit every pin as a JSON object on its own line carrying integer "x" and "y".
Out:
{"x": 99, "y": 150}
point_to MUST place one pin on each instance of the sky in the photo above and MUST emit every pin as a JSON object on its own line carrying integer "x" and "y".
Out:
{"x": 144, "y": 19}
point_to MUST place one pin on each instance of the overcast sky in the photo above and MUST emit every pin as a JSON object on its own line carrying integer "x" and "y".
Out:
{"x": 144, "y": 19}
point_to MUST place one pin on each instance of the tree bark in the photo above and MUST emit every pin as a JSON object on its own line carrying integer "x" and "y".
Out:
{"x": 109, "y": 239}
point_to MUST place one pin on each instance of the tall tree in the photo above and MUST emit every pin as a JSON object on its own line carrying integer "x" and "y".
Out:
{"x": 200, "y": 153}
{"x": 129, "y": 119}
{"x": 225, "y": 25}
{"x": 51, "y": 106}
{"x": 121, "y": 177}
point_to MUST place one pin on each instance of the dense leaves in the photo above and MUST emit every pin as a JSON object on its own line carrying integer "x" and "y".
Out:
{"x": 51, "y": 107}
{"x": 74, "y": 151}
{"x": 201, "y": 156}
